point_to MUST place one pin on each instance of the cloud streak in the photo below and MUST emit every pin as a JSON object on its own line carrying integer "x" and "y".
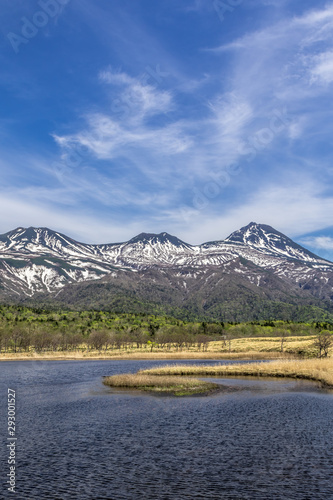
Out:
{"x": 142, "y": 144}
{"x": 319, "y": 242}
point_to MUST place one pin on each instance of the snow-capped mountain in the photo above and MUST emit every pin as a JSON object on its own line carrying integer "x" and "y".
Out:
{"x": 266, "y": 239}
{"x": 146, "y": 250}
{"x": 41, "y": 261}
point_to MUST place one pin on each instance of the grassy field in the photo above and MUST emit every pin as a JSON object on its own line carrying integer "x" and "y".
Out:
{"x": 178, "y": 386}
{"x": 242, "y": 348}
{"x": 320, "y": 370}
{"x": 291, "y": 345}
{"x": 137, "y": 355}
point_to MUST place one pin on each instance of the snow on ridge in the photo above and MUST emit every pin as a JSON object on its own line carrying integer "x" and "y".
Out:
{"x": 267, "y": 240}
{"x": 256, "y": 244}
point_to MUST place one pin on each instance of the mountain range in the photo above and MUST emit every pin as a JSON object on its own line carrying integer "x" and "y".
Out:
{"x": 255, "y": 273}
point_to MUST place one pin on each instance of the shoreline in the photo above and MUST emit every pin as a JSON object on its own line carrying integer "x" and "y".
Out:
{"x": 225, "y": 389}
{"x": 317, "y": 370}
{"x": 182, "y": 355}
{"x": 164, "y": 385}
{"x": 282, "y": 365}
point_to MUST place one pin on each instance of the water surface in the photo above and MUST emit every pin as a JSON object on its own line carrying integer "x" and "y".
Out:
{"x": 77, "y": 439}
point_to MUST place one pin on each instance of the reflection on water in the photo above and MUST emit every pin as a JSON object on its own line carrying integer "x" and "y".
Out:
{"x": 272, "y": 439}
{"x": 265, "y": 385}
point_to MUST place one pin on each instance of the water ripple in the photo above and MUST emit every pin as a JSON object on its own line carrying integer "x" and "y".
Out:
{"x": 78, "y": 440}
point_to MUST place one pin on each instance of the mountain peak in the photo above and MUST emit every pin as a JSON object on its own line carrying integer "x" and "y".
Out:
{"x": 27, "y": 232}
{"x": 254, "y": 258}
{"x": 161, "y": 238}
{"x": 253, "y": 233}
{"x": 268, "y": 240}
{"x": 38, "y": 240}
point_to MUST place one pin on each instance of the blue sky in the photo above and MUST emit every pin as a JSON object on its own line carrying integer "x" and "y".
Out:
{"x": 188, "y": 116}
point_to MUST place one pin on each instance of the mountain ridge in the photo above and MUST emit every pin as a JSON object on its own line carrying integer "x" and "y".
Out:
{"x": 258, "y": 235}
{"x": 255, "y": 264}
{"x": 239, "y": 236}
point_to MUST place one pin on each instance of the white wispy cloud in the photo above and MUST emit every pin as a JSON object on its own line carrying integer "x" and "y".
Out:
{"x": 295, "y": 208}
{"x": 80, "y": 225}
{"x": 320, "y": 242}
{"x": 156, "y": 143}
{"x": 292, "y": 206}
{"x": 177, "y": 146}
{"x": 108, "y": 139}
{"x": 136, "y": 96}
{"x": 317, "y": 18}
{"x": 322, "y": 68}
{"x": 116, "y": 77}
{"x": 269, "y": 71}
{"x": 282, "y": 60}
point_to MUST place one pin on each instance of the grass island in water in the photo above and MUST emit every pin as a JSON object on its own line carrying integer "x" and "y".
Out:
{"x": 175, "y": 385}
{"x": 178, "y": 379}
{"x": 319, "y": 370}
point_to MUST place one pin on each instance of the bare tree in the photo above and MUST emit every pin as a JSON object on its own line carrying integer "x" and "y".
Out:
{"x": 111, "y": 339}
{"x": 138, "y": 336}
{"x": 56, "y": 341}
{"x": 41, "y": 340}
{"x": 179, "y": 337}
{"x": 203, "y": 341}
{"x": 26, "y": 338}
{"x": 227, "y": 338}
{"x": 16, "y": 337}
{"x": 74, "y": 340}
{"x": 323, "y": 342}
{"x": 163, "y": 337}
{"x": 4, "y": 339}
{"x": 97, "y": 339}
{"x": 282, "y": 334}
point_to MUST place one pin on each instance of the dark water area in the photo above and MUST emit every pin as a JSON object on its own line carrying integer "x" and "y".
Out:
{"x": 77, "y": 439}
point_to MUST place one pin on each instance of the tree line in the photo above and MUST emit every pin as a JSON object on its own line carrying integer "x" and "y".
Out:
{"x": 20, "y": 339}
{"x": 24, "y": 329}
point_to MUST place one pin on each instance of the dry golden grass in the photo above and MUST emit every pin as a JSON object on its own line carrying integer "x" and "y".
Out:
{"x": 243, "y": 348}
{"x": 137, "y": 355}
{"x": 177, "y": 385}
{"x": 268, "y": 344}
{"x": 320, "y": 370}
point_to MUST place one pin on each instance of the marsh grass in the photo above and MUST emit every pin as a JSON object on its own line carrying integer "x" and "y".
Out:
{"x": 127, "y": 355}
{"x": 178, "y": 386}
{"x": 292, "y": 345}
{"x": 241, "y": 348}
{"x": 320, "y": 370}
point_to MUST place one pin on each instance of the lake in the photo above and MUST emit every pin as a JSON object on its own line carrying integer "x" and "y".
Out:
{"x": 77, "y": 439}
